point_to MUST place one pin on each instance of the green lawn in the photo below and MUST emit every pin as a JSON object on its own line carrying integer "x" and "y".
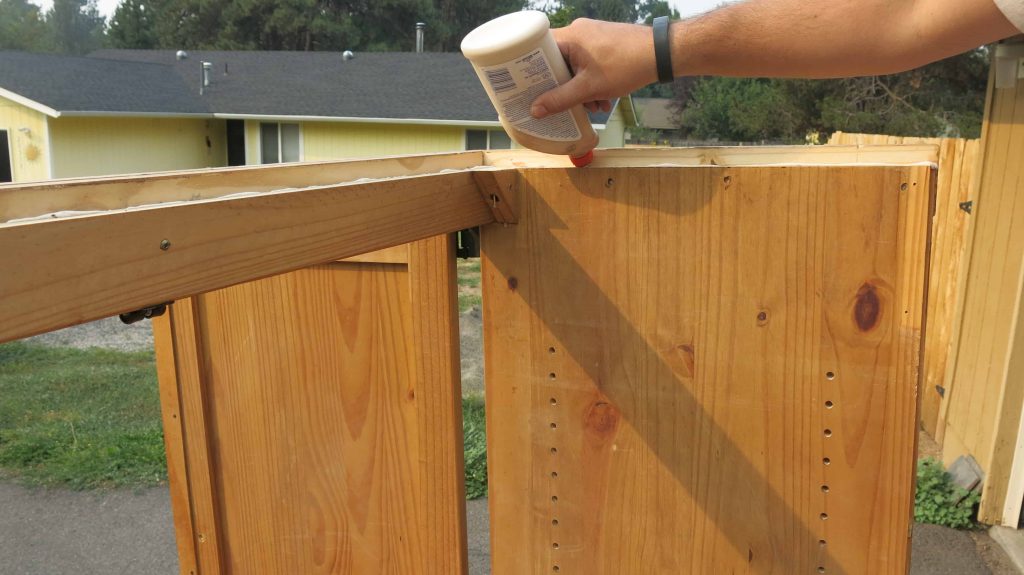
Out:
{"x": 469, "y": 283}
{"x": 91, "y": 418}
{"x": 79, "y": 418}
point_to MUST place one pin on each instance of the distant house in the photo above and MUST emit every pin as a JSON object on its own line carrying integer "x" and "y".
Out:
{"x": 127, "y": 111}
{"x": 657, "y": 118}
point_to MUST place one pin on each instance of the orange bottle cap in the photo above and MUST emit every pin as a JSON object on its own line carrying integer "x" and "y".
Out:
{"x": 582, "y": 161}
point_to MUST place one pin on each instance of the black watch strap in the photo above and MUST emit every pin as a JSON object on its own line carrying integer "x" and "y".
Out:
{"x": 662, "y": 50}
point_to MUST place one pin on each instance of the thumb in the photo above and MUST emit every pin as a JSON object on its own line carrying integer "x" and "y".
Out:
{"x": 559, "y": 99}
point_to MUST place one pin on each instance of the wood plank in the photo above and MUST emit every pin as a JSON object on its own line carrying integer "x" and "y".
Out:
{"x": 190, "y": 365}
{"x": 120, "y": 192}
{"x": 393, "y": 255}
{"x": 723, "y": 156}
{"x": 332, "y": 418}
{"x": 435, "y": 329}
{"x": 957, "y": 160}
{"x": 174, "y": 444}
{"x": 83, "y": 268}
{"x": 704, "y": 370}
{"x": 981, "y": 418}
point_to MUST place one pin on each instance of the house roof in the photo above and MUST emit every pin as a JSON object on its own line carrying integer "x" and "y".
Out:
{"x": 656, "y": 113}
{"x": 403, "y": 87}
{"x": 80, "y": 84}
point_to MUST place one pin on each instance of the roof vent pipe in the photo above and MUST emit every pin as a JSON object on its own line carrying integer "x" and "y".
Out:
{"x": 205, "y": 78}
{"x": 419, "y": 36}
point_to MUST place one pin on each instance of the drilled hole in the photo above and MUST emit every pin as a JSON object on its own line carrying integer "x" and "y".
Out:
{"x": 821, "y": 569}
{"x": 554, "y": 450}
{"x": 829, "y": 404}
{"x": 826, "y": 461}
{"x": 822, "y": 543}
{"x": 828, "y": 433}
{"x": 554, "y": 425}
{"x": 552, "y": 375}
{"x": 551, "y": 350}
{"x": 609, "y": 183}
{"x": 823, "y": 516}
{"x": 555, "y": 569}
{"x": 554, "y": 522}
{"x": 824, "y": 488}
{"x": 554, "y": 475}
{"x": 554, "y": 401}
{"x": 903, "y": 187}
{"x": 830, "y": 375}
{"x": 554, "y": 499}
{"x": 727, "y": 180}
{"x": 554, "y": 545}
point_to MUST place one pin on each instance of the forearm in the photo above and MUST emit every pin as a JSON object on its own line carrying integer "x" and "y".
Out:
{"x": 840, "y": 38}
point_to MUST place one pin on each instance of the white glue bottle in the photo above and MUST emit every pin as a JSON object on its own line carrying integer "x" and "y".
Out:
{"x": 517, "y": 60}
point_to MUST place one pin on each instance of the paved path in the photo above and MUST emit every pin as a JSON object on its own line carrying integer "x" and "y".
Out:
{"x": 53, "y": 532}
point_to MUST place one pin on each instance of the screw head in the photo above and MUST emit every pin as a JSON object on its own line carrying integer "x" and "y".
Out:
{"x": 165, "y": 245}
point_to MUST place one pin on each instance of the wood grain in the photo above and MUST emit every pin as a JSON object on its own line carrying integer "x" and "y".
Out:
{"x": 986, "y": 388}
{"x": 705, "y": 370}
{"x": 957, "y": 161}
{"x": 79, "y": 269}
{"x": 722, "y": 156}
{"x": 120, "y": 192}
{"x": 331, "y": 418}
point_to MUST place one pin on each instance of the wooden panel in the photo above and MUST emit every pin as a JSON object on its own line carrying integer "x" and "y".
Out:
{"x": 957, "y": 161}
{"x": 721, "y": 156}
{"x": 331, "y": 418}
{"x": 983, "y": 409}
{"x": 705, "y": 370}
{"x": 85, "y": 268}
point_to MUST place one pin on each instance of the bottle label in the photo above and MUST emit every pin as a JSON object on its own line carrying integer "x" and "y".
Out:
{"x": 516, "y": 84}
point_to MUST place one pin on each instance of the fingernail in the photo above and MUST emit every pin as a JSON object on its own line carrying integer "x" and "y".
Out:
{"x": 538, "y": 111}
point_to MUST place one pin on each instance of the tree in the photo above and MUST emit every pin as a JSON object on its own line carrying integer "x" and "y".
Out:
{"x": 133, "y": 25}
{"x": 942, "y": 99}
{"x": 22, "y": 27}
{"x": 76, "y": 26}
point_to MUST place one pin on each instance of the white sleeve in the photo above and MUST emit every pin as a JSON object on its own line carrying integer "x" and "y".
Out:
{"x": 1013, "y": 10}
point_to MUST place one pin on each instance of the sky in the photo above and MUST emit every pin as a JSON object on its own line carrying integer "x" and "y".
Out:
{"x": 685, "y": 7}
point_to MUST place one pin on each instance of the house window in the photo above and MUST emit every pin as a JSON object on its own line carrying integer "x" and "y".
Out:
{"x": 487, "y": 140}
{"x": 279, "y": 143}
{"x": 5, "y": 158}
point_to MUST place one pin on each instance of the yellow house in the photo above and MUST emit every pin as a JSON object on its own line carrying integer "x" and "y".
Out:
{"x": 129, "y": 111}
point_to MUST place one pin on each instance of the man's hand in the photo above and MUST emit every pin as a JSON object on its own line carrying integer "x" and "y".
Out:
{"x": 609, "y": 60}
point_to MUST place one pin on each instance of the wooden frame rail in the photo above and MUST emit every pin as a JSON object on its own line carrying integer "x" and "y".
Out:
{"x": 78, "y": 250}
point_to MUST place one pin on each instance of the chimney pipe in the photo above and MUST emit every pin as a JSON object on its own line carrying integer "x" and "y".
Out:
{"x": 205, "y": 76}
{"x": 419, "y": 36}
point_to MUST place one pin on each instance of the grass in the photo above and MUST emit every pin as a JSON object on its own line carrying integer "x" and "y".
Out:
{"x": 475, "y": 446}
{"x": 91, "y": 419}
{"x": 79, "y": 418}
{"x": 469, "y": 284}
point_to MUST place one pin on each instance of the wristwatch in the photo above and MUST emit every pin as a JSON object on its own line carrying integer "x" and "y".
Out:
{"x": 662, "y": 50}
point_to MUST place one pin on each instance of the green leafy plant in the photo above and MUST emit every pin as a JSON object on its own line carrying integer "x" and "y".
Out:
{"x": 475, "y": 446}
{"x": 939, "y": 500}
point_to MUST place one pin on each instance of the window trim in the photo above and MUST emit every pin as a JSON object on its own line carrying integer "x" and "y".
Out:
{"x": 280, "y": 148}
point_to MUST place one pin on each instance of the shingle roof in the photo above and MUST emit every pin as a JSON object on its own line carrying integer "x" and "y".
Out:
{"x": 374, "y": 85}
{"x": 77, "y": 84}
{"x": 436, "y": 86}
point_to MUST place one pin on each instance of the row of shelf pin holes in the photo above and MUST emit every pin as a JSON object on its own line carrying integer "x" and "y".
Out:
{"x": 555, "y": 568}
{"x": 826, "y": 461}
